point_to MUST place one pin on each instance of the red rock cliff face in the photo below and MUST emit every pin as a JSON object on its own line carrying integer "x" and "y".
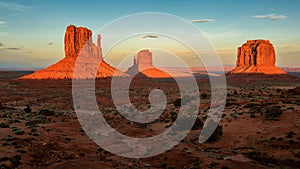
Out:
{"x": 256, "y": 56}
{"x": 75, "y": 39}
{"x": 78, "y": 41}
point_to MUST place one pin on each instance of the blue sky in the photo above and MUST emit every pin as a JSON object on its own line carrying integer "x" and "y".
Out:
{"x": 31, "y": 31}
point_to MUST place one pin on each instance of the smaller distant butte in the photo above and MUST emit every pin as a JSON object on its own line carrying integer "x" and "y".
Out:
{"x": 143, "y": 67}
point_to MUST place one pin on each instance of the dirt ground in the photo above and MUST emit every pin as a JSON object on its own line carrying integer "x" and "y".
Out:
{"x": 260, "y": 127}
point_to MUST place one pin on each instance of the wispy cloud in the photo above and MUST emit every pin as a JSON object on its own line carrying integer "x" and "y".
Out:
{"x": 150, "y": 36}
{"x": 203, "y": 20}
{"x": 3, "y": 24}
{"x": 50, "y": 43}
{"x": 13, "y": 48}
{"x": 13, "y": 6}
{"x": 270, "y": 17}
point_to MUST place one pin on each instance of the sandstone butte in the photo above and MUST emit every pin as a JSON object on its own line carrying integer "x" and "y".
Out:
{"x": 78, "y": 41}
{"x": 143, "y": 67}
{"x": 256, "y": 56}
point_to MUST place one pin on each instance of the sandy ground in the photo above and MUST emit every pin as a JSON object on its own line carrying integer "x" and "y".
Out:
{"x": 50, "y": 136}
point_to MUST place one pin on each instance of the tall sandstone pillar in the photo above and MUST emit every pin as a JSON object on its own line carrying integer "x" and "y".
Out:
{"x": 75, "y": 39}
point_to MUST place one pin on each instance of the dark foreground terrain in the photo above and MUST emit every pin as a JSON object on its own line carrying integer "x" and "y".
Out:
{"x": 260, "y": 127}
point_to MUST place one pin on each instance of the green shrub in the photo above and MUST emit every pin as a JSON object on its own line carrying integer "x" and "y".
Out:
{"x": 272, "y": 112}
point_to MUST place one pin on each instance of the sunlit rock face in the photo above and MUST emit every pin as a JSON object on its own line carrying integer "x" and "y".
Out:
{"x": 256, "y": 56}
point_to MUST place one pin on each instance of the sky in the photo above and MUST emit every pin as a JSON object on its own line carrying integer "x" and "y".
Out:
{"x": 32, "y": 31}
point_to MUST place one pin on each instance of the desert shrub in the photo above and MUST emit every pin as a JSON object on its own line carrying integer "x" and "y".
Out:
{"x": 252, "y": 115}
{"x": 250, "y": 105}
{"x": 4, "y": 159}
{"x": 218, "y": 132}
{"x": 4, "y": 166}
{"x": 27, "y": 109}
{"x": 15, "y": 161}
{"x": 225, "y": 167}
{"x": 213, "y": 164}
{"x": 286, "y": 101}
{"x": 204, "y": 96}
{"x": 198, "y": 124}
{"x": 297, "y": 155}
{"x": 47, "y": 112}
{"x": 173, "y": 116}
{"x": 265, "y": 104}
{"x": 4, "y": 125}
{"x": 255, "y": 109}
{"x": 295, "y": 91}
{"x": 177, "y": 102}
{"x": 290, "y": 134}
{"x": 229, "y": 104}
{"x": 17, "y": 130}
{"x": 272, "y": 112}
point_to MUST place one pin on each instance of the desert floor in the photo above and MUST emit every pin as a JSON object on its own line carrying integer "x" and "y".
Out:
{"x": 260, "y": 127}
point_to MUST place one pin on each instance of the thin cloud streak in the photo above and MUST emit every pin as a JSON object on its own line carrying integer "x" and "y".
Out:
{"x": 202, "y": 20}
{"x": 13, "y": 6}
{"x": 12, "y": 48}
{"x": 150, "y": 36}
{"x": 270, "y": 17}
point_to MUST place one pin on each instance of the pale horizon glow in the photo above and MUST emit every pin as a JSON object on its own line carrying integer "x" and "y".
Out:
{"x": 32, "y": 32}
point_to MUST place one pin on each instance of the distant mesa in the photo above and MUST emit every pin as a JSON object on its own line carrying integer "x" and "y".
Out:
{"x": 143, "y": 67}
{"x": 78, "y": 41}
{"x": 256, "y": 56}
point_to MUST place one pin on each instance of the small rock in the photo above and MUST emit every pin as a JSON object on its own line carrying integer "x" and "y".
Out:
{"x": 147, "y": 165}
